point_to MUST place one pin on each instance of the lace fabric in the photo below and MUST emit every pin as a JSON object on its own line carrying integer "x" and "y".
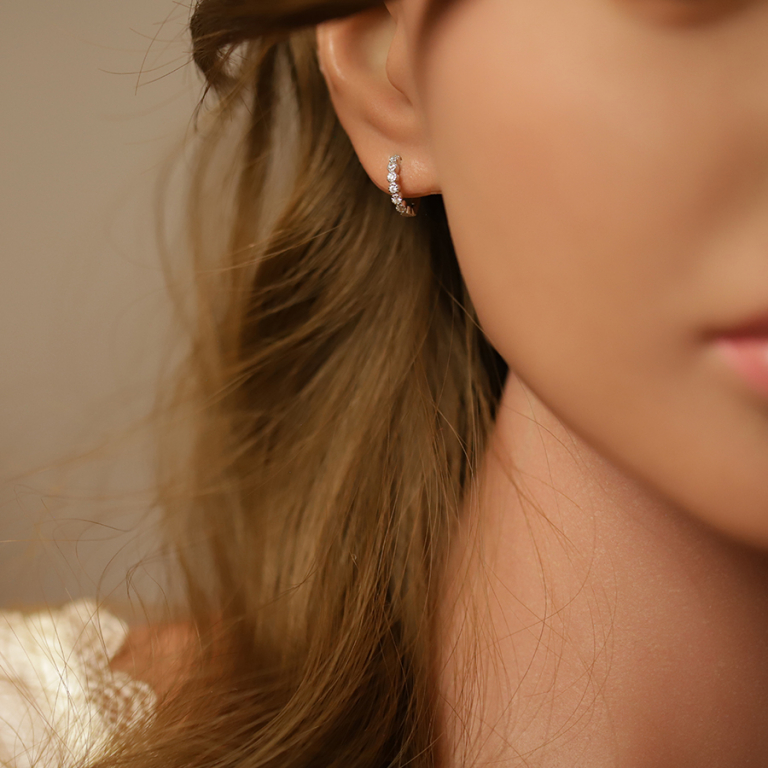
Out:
{"x": 59, "y": 700}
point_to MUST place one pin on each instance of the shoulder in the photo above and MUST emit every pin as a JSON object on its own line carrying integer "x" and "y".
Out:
{"x": 160, "y": 655}
{"x": 60, "y": 699}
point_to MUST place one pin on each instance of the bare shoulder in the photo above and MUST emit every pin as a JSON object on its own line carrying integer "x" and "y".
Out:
{"x": 161, "y": 655}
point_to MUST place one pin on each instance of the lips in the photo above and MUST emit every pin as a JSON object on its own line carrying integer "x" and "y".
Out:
{"x": 745, "y": 350}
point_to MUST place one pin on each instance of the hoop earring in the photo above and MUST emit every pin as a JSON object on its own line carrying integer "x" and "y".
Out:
{"x": 394, "y": 188}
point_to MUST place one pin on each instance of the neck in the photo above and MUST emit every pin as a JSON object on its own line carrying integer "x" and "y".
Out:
{"x": 608, "y": 627}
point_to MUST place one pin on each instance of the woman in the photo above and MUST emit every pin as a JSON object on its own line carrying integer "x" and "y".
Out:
{"x": 413, "y": 541}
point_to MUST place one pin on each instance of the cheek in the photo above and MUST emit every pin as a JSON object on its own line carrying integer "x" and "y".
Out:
{"x": 583, "y": 184}
{"x": 576, "y": 184}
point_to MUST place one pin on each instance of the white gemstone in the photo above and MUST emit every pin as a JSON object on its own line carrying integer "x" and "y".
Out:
{"x": 394, "y": 189}
{"x": 396, "y": 199}
{"x": 392, "y": 176}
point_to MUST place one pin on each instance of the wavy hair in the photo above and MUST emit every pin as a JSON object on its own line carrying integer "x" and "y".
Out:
{"x": 343, "y": 394}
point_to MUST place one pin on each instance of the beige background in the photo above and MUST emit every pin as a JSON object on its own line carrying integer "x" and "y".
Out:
{"x": 93, "y": 103}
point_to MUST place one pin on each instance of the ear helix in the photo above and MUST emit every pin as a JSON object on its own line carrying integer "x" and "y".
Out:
{"x": 393, "y": 177}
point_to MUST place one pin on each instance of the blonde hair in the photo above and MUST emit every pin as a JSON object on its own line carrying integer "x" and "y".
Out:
{"x": 343, "y": 396}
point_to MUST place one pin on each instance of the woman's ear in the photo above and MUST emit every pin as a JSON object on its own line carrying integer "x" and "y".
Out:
{"x": 365, "y": 62}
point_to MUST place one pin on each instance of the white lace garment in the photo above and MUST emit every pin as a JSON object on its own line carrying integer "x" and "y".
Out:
{"x": 59, "y": 701}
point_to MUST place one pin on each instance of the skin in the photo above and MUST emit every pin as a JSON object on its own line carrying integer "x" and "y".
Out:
{"x": 604, "y": 165}
{"x": 157, "y": 654}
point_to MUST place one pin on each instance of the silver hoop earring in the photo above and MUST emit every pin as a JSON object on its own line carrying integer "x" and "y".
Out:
{"x": 394, "y": 188}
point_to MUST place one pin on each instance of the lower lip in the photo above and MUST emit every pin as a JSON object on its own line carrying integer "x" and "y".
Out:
{"x": 748, "y": 356}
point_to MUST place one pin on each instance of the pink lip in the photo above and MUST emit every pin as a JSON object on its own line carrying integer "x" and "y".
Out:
{"x": 747, "y": 353}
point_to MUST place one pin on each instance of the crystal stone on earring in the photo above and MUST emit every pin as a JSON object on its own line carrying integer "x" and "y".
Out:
{"x": 391, "y": 176}
{"x": 393, "y": 188}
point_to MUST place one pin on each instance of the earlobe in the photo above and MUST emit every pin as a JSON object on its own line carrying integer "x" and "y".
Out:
{"x": 364, "y": 60}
